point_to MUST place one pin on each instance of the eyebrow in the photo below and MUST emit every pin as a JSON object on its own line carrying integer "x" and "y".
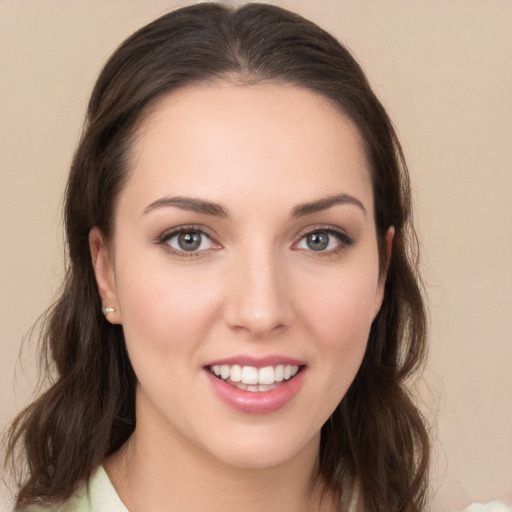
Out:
{"x": 325, "y": 203}
{"x": 209, "y": 208}
{"x": 189, "y": 203}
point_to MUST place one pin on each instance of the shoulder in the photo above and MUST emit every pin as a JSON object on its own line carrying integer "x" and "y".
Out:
{"x": 98, "y": 496}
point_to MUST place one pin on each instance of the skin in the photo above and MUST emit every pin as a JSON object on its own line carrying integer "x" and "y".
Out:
{"x": 255, "y": 287}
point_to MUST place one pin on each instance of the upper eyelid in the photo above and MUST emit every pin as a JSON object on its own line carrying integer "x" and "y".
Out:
{"x": 322, "y": 227}
{"x": 169, "y": 233}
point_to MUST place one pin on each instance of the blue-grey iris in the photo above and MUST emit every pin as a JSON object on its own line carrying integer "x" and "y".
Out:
{"x": 189, "y": 240}
{"x": 318, "y": 241}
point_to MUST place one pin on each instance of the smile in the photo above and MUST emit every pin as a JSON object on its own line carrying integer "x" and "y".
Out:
{"x": 256, "y": 385}
{"x": 250, "y": 378}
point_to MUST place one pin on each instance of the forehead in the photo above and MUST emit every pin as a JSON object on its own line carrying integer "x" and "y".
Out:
{"x": 270, "y": 141}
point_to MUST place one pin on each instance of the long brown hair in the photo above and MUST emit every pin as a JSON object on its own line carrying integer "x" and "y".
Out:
{"x": 376, "y": 439}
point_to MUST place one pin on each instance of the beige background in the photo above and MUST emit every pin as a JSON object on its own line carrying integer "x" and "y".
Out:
{"x": 443, "y": 70}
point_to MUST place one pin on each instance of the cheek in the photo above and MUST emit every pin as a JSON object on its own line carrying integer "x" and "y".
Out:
{"x": 343, "y": 306}
{"x": 164, "y": 312}
{"x": 338, "y": 315}
{"x": 166, "y": 317}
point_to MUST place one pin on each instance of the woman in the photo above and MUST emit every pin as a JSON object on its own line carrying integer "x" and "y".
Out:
{"x": 241, "y": 307}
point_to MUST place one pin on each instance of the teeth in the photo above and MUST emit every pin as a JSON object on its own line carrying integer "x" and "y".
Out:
{"x": 249, "y": 375}
{"x": 253, "y": 388}
{"x": 235, "y": 374}
{"x": 225, "y": 370}
{"x": 266, "y": 375}
{"x": 252, "y": 378}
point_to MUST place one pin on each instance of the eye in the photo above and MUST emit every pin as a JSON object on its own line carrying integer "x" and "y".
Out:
{"x": 187, "y": 240}
{"x": 324, "y": 240}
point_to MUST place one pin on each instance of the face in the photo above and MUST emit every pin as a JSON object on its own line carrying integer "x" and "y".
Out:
{"x": 244, "y": 269}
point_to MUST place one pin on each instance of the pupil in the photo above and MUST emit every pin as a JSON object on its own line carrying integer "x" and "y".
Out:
{"x": 189, "y": 241}
{"x": 318, "y": 241}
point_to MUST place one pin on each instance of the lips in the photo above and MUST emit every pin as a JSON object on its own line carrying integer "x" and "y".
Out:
{"x": 256, "y": 386}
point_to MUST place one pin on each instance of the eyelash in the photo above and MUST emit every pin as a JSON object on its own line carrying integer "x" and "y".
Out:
{"x": 164, "y": 238}
{"x": 345, "y": 241}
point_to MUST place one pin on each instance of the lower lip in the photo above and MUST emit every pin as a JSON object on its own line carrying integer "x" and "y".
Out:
{"x": 257, "y": 402}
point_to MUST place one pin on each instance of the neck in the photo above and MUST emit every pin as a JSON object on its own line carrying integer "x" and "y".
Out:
{"x": 158, "y": 471}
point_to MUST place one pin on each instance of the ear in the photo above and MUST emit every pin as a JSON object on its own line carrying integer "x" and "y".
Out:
{"x": 105, "y": 275}
{"x": 379, "y": 296}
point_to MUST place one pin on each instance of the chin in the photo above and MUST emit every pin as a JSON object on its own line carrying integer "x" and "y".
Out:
{"x": 265, "y": 451}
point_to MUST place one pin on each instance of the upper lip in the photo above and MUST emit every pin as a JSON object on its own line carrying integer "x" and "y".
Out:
{"x": 257, "y": 362}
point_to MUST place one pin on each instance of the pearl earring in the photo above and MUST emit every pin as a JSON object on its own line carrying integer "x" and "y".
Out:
{"x": 108, "y": 309}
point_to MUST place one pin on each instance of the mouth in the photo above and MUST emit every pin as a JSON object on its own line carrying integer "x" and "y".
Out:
{"x": 256, "y": 386}
{"x": 253, "y": 379}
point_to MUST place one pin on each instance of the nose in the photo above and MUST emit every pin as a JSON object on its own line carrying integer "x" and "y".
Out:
{"x": 259, "y": 295}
